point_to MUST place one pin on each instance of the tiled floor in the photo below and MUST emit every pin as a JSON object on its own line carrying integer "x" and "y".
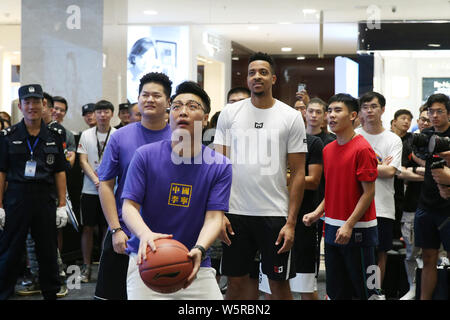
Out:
{"x": 86, "y": 290}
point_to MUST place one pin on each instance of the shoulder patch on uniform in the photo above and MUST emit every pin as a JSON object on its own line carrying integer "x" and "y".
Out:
{"x": 55, "y": 129}
{"x": 7, "y": 131}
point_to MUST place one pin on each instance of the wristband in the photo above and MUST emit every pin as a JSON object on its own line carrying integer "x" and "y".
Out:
{"x": 202, "y": 249}
{"x": 116, "y": 229}
{"x": 414, "y": 169}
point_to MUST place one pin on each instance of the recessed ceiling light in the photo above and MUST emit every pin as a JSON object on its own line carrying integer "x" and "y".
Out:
{"x": 301, "y": 58}
{"x": 309, "y": 11}
{"x": 286, "y": 49}
{"x": 434, "y": 45}
{"x": 320, "y": 68}
{"x": 253, "y": 28}
{"x": 151, "y": 12}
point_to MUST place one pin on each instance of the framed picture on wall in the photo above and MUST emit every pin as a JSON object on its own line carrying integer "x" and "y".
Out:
{"x": 167, "y": 52}
{"x": 434, "y": 85}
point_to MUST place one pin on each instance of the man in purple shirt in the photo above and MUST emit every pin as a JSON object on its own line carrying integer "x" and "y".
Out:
{"x": 177, "y": 188}
{"x": 153, "y": 100}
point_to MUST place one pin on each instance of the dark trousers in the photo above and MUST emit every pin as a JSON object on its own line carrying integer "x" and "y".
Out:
{"x": 112, "y": 273}
{"x": 347, "y": 272}
{"x": 29, "y": 207}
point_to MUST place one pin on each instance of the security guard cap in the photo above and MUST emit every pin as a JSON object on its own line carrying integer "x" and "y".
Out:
{"x": 88, "y": 107}
{"x": 31, "y": 90}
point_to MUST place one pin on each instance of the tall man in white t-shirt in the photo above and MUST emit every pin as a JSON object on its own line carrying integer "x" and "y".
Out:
{"x": 261, "y": 136}
{"x": 91, "y": 147}
{"x": 388, "y": 150}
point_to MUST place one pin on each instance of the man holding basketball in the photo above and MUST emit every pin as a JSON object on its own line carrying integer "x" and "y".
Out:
{"x": 178, "y": 189}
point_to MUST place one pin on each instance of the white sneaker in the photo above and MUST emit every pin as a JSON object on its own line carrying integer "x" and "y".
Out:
{"x": 410, "y": 295}
{"x": 377, "y": 297}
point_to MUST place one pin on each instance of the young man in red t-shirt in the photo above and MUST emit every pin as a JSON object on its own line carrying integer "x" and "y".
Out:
{"x": 350, "y": 169}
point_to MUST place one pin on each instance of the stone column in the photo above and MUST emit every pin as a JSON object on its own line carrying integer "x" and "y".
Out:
{"x": 62, "y": 43}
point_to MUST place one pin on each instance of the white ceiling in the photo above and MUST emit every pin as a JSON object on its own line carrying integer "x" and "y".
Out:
{"x": 278, "y": 23}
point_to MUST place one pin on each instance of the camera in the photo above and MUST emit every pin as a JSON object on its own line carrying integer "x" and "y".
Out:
{"x": 426, "y": 144}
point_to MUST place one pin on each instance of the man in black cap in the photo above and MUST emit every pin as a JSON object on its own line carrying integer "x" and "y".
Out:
{"x": 32, "y": 161}
{"x": 91, "y": 146}
{"x": 124, "y": 115}
{"x": 88, "y": 114}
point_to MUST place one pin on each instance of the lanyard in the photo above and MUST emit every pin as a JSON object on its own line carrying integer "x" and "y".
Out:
{"x": 34, "y": 146}
{"x": 100, "y": 152}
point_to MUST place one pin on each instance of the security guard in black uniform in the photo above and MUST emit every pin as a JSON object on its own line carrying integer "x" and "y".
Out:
{"x": 32, "y": 163}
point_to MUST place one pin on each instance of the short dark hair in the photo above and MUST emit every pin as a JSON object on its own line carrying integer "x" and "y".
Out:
{"x": 264, "y": 57}
{"x": 214, "y": 119}
{"x": 369, "y": 96}
{"x": 438, "y": 98}
{"x": 104, "y": 104}
{"x": 131, "y": 105}
{"x": 193, "y": 88}
{"x": 401, "y": 112}
{"x": 238, "y": 90}
{"x": 49, "y": 99}
{"x": 350, "y": 102}
{"x": 159, "y": 78}
{"x": 61, "y": 100}
{"x": 318, "y": 101}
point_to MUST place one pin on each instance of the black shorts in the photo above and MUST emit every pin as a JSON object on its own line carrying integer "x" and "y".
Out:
{"x": 385, "y": 234}
{"x": 91, "y": 211}
{"x": 431, "y": 229}
{"x": 112, "y": 273}
{"x": 253, "y": 233}
{"x": 305, "y": 248}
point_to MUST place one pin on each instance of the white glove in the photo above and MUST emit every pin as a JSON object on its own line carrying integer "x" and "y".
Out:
{"x": 2, "y": 218}
{"x": 61, "y": 217}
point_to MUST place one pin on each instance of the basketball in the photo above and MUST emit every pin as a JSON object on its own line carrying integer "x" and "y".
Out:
{"x": 166, "y": 269}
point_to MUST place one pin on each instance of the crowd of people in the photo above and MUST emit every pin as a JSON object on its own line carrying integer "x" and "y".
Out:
{"x": 251, "y": 191}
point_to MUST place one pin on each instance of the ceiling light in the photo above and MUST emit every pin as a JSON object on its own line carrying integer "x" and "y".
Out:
{"x": 150, "y": 12}
{"x": 235, "y": 58}
{"x": 301, "y": 58}
{"x": 434, "y": 45}
{"x": 253, "y": 28}
{"x": 286, "y": 49}
{"x": 309, "y": 11}
{"x": 320, "y": 68}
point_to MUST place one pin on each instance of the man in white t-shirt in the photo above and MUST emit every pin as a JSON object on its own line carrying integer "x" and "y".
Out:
{"x": 91, "y": 147}
{"x": 388, "y": 150}
{"x": 261, "y": 136}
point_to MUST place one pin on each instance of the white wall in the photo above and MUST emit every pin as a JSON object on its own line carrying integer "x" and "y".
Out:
{"x": 223, "y": 56}
{"x": 9, "y": 55}
{"x": 398, "y": 76}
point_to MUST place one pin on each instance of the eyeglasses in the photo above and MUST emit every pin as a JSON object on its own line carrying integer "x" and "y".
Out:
{"x": 191, "y": 105}
{"x": 435, "y": 111}
{"x": 366, "y": 107}
{"x": 423, "y": 119}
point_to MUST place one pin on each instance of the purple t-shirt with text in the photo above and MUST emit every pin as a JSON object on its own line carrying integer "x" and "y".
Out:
{"x": 118, "y": 154}
{"x": 174, "y": 196}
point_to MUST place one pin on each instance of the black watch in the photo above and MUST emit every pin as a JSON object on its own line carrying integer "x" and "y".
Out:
{"x": 202, "y": 249}
{"x": 116, "y": 229}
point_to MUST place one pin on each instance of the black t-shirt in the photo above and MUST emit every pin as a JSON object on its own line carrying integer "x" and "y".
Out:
{"x": 407, "y": 198}
{"x": 48, "y": 154}
{"x": 399, "y": 184}
{"x": 314, "y": 156}
{"x": 430, "y": 199}
{"x": 326, "y": 139}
